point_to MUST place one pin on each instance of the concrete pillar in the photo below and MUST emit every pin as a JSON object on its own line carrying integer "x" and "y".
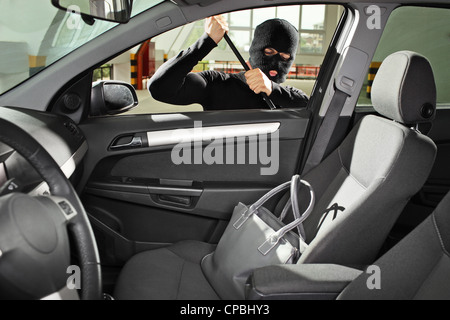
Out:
{"x": 121, "y": 71}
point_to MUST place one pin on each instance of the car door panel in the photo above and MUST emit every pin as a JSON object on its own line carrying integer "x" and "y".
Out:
{"x": 139, "y": 199}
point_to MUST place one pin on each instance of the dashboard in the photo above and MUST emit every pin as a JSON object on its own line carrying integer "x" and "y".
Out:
{"x": 59, "y": 135}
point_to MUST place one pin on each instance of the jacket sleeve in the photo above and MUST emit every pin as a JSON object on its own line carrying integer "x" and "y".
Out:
{"x": 288, "y": 97}
{"x": 174, "y": 82}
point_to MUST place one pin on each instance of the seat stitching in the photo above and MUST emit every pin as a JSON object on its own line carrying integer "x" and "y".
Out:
{"x": 439, "y": 259}
{"x": 348, "y": 171}
{"x": 440, "y": 236}
{"x": 400, "y": 94}
{"x": 179, "y": 282}
{"x": 433, "y": 271}
{"x": 204, "y": 274}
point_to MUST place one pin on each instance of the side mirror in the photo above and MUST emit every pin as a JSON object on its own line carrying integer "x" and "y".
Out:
{"x": 112, "y": 97}
{"x": 110, "y": 10}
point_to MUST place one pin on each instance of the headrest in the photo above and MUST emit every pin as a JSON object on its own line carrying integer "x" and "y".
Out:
{"x": 404, "y": 89}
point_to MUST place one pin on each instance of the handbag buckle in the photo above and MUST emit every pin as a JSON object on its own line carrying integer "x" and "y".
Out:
{"x": 269, "y": 244}
{"x": 244, "y": 217}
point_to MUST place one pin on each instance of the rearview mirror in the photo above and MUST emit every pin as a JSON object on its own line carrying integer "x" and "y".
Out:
{"x": 112, "y": 97}
{"x": 110, "y": 10}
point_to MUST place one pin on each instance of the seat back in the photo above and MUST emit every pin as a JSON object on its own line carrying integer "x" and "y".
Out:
{"x": 363, "y": 186}
{"x": 416, "y": 268}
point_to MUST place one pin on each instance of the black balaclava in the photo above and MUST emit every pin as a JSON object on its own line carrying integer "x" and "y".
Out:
{"x": 279, "y": 35}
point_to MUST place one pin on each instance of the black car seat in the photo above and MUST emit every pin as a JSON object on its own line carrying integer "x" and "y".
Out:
{"x": 417, "y": 268}
{"x": 361, "y": 189}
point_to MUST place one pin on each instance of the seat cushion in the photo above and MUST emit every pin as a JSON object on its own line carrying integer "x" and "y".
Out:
{"x": 170, "y": 273}
{"x": 415, "y": 269}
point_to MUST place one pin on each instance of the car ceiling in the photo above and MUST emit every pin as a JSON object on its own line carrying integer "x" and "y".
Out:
{"x": 251, "y": 3}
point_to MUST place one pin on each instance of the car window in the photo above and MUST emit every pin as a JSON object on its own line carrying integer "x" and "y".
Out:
{"x": 316, "y": 25}
{"x": 423, "y": 30}
{"x": 34, "y": 34}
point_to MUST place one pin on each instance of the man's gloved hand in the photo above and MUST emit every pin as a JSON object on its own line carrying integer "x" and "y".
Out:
{"x": 216, "y": 27}
{"x": 258, "y": 81}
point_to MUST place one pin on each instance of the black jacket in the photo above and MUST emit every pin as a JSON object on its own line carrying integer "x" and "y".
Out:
{"x": 174, "y": 83}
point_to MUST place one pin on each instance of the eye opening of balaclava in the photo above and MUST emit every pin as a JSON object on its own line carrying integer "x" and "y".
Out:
{"x": 280, "y": 35}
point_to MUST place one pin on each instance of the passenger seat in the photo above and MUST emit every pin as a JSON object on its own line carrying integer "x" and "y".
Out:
{"x": 417, "y": 268}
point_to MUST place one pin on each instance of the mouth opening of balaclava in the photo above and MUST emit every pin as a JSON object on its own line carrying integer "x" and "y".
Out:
{"x": 280, "y": 35}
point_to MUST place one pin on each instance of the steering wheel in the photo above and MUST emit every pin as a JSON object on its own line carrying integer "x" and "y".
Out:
{"x": 35, "y": 252}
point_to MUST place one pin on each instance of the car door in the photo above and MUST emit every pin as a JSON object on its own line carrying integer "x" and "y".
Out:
{"x": 142, "y": 196}
{"x": 150, "y": 180}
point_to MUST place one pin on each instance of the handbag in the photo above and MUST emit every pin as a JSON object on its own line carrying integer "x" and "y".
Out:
{"x": 255, "y": 238}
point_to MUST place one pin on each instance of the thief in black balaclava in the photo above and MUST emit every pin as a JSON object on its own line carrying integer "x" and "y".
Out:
{"x": 274, "y": 48}
{"x": 272, "y": 53}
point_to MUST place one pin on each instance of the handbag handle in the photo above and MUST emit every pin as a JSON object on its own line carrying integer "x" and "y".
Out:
{"x": 293, "y": 203}
{"x": 273, "y": 240}
{"x": 293, "y": 184}
{"x": 258, "y": 204}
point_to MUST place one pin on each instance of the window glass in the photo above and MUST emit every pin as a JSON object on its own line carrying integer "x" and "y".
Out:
{"x": 423, "y": 30}
{"x": 197, "y": 29}
{"x": 290, "y": 13}
{"x": 261, "y": 15}
{"x": 240, "y": 19}
{"x": 35, "y": 34}
{"x": 313, "y": 17}
{"x": 311, "y": 42}
{"x": 312, "y": 48}
{"x": 241, "y": 39}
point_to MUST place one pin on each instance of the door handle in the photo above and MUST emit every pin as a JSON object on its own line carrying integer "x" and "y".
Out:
{"x": 185, "y": 201}
{"x": 128, "y": 142}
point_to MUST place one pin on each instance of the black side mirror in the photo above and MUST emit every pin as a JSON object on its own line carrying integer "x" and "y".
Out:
{"x": 110, "y": 10}
{"x": 112, "y": 97}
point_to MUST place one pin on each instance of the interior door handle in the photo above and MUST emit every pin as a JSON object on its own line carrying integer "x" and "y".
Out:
{"x": 185, "y": 201}
{"x": 135, "y": 142}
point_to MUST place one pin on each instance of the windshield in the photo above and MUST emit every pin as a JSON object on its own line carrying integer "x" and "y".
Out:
{"x": 34, "y": 34}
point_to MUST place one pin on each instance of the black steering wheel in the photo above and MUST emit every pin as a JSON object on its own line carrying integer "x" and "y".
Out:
{"x": 35, "y": 231}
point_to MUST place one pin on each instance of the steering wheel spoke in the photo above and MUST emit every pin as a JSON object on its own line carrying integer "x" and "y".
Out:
{"x": 35, "y": 229}
{"x": 35, "y": 246}
{"x": 60, "y": 205}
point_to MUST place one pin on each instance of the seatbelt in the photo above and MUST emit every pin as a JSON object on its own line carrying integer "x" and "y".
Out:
{"x": 345, "y": 86}
{"x": 317, "y": 153}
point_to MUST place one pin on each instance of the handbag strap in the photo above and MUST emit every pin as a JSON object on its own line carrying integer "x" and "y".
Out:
{"x": 273, "y": 240}
{"x": 293, "y": 203}
{"x": 288, "y": 205}
{"x": 258, "y": 204}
